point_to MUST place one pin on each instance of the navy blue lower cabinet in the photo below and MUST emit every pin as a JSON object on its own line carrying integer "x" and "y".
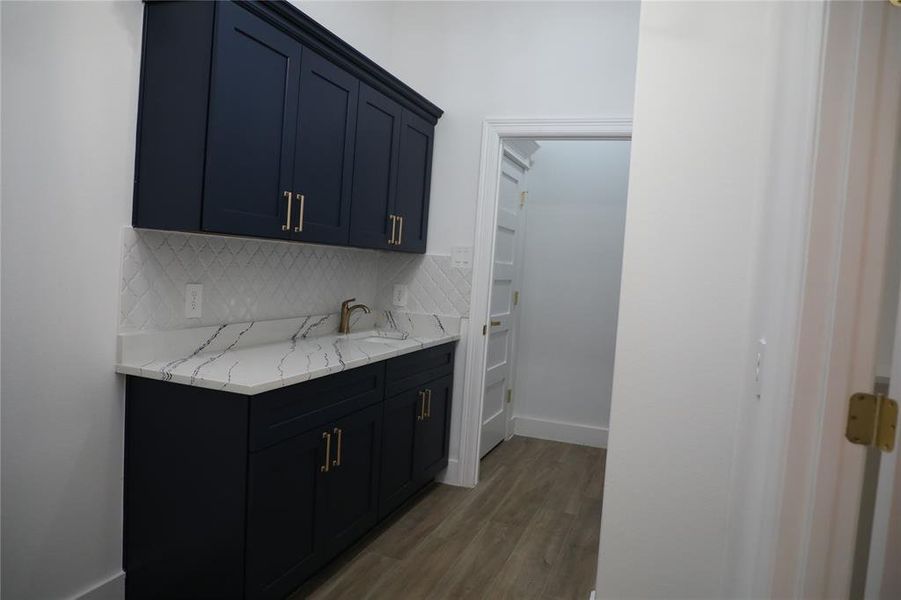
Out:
{"x": 230, "y": 496}
{"x": 399, "y": 476}
{"x": 286, "y": 493}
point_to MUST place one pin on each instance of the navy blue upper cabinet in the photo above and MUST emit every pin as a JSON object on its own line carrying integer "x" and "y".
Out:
{"x": 253, "y": 114}
{"x": 375, "y": 171}
{"x": 323, "y": 156}
{"x": 414, "y": 174}
{"x": 255, "y": 120}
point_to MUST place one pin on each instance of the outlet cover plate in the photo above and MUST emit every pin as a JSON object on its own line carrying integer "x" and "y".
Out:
{"x": 193, "y": 301}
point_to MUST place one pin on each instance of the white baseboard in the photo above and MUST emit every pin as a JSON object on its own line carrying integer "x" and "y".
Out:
{"x": 451, "y": 475}
{"x": 560, "y": 431}
{"x": 111, "y": 589}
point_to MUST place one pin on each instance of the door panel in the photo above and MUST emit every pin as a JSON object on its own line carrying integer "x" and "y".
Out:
{"x": 433, "y": 433}
{"x": 284, "y": 515}
{"x": 414, "y": 174}
{"x": 250, "y": 139}
{"x": 375, "y": 169}
{"x": 401, "y": 421}
{"x": 323, "y": 159}
{"x": 352, "y": 489}
{"x": 496, "y": 411}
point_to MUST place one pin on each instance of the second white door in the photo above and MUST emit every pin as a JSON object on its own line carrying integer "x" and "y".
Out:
{"x": 501, "y": 331}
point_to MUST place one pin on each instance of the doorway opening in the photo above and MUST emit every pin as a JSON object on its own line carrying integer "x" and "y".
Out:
{"x": 554, "y": 294}
{"x": 545, "y": 283}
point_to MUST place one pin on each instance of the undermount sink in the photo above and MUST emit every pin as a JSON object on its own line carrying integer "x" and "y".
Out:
{"x": 379, "y": 339}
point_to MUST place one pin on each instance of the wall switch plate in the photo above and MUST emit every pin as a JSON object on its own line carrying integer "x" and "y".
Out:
{"x": 758, "y": 368}
{"x": 399, "y": 298}
{"x": 193, "y": 301}
{"x": 461, "y": 257}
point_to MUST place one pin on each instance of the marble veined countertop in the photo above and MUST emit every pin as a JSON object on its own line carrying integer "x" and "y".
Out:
{"x": 255, "y": 357}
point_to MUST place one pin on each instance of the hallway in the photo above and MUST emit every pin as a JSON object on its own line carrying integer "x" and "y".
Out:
{"x": 528, "y": 530}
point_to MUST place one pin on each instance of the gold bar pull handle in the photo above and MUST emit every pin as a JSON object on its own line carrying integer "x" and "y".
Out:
{"x": 337, "y": 461}
{"x": 287, "y": 225}
{"x": 421, "y": 414}
{"x": 299, "y": 227}
{"x": 393, "y": 218}
{"x": 495, "y": 323}
{"x": 400, "y": 231}
{"x": 328, "y": 451}
{"x": 428, "y": 410}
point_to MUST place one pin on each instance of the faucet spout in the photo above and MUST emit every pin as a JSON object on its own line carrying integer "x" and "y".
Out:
{"x": 346, "y": 311}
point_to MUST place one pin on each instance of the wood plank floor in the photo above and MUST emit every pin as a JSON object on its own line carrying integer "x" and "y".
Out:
{"x": 528, "y": 530}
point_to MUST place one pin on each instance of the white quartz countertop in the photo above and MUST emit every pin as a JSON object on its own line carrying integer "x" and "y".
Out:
{"x": 251, "y": 358}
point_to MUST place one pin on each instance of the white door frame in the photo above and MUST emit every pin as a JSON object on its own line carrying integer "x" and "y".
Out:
{"x": 819, "y": 498}
{"x": 494, "y": 131}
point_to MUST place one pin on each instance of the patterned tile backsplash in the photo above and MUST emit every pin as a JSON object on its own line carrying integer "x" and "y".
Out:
{"x": 247, "y": 279}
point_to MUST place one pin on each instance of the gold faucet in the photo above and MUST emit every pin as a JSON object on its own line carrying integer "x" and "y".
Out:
{"x": 346, "y": 311}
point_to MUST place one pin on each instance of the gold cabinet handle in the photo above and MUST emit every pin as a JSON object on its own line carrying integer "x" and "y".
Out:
{"x": 495, "y": 323}
{"x": 400, "y": 231}
{"x": 337, "y": 461}
{"x": 299, "y": 227}
{"x": 328, "y": 451}
{"x": 421, "y": 414}
{"x": 287, "y": 225}
{"x": 428, "y": 410}
{"x": 391, "y": 242}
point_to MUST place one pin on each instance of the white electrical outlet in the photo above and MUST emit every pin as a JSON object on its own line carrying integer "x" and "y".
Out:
{"x": 399, "y": 298}
{"x": 461, "y": 257}
{"x": 193, "y": 301}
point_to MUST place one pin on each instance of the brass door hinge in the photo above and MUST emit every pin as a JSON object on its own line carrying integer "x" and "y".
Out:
{"x": 522, "y": 198}
{"x": 515, "y": 298}
{"x": 872, "y": 420}
{"x": 509, "y": 395}
{"x": 484, "y": 329}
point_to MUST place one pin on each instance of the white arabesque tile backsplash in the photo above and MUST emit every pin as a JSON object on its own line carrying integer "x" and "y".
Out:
{"x": 247, "y": 279}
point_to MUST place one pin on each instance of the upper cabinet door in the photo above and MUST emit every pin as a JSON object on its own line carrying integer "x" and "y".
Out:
{"x": 323, "y": 156}
{"x": 414, "y": 175}
{"x": 252, "y": 125}
{"x": 375, "y": 169}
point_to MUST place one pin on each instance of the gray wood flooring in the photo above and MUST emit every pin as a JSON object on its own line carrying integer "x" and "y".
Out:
{"x": 528, "y": 530}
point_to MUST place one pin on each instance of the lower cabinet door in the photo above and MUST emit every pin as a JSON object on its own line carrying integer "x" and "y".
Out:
{"x": 432, "y": 434}
{"x": 401, "y": 419}
{"x": 351, "y": 503}
{"x": 285, "y": 533}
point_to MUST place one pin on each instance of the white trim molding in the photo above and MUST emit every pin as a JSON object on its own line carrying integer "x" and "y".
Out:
{"x": 561, "y": 431}
{"x": 494, "y": 131}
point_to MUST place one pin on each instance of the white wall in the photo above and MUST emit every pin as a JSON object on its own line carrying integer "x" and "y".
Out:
{"x": 481, "y": 59}
{"x": 704, "y": 131}
{"x": 572, "y": 259}
{"x": 69, "y": 84}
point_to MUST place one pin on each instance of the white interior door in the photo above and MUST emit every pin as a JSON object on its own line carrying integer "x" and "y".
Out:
{"x": 500, "y": 364}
